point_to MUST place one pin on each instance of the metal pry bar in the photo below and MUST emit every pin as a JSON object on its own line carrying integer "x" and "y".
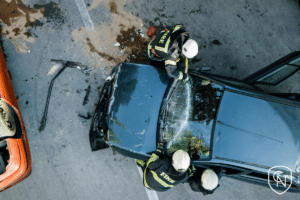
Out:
{"x": 65, "y": 65}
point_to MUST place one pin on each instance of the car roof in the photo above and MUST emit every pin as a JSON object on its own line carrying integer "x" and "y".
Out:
{"x": 257, "y": 131}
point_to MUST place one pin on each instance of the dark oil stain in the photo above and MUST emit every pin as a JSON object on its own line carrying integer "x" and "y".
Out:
{"x": 28, "y": 34}
{"x": 34, "y": 24}
{"x": 132, "y": 39}
{"x": 53, "y": 14}
{"x": 216, "y": 42}
{"x": 17, "y": 31}
{"x": 233, "y": 67}
{"x": 195, "y": 11}
{"x": 113, "y": 7}
{"x": 102, "y": 54}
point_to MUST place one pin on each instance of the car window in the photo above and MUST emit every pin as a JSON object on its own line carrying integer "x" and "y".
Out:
{"x": 277, "y": 76}
{"x": 190, "y": 116}
{"x": 276, "y": 72}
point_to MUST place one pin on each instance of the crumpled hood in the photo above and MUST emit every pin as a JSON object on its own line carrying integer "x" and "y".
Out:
{"x": 257, "y": 131}
{"x": 134, "y": 106}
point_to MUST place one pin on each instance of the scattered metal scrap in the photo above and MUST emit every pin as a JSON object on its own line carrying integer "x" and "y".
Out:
{"x": 86, "y": 98}
{"x": 65, "y": 64}
{"x": 89, "y": 116}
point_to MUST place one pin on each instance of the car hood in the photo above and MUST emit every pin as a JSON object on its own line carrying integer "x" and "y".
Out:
{"x": 257, "y": 131}
{"x": 134, "y": 106}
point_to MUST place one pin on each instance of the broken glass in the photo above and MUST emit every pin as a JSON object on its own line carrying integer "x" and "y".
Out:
{"x": 190, "y": 116}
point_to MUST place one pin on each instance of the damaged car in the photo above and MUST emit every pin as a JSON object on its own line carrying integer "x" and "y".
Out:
{"x": 15, "y": 160}
{"x": 226, "y": 123}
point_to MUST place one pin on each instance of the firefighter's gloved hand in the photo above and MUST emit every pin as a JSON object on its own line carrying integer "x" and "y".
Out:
{"x": 205, "y": 82}
{"x": 184, "y": 77}
{"x": 161, "y": 145}
{"x": 192, "y": 169}
{"x": 161, "y": 149}
{"x": 174, "y": 56}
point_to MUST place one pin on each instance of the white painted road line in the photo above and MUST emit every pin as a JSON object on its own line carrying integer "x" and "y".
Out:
{"x": 151, "y": 194}
{"x": 85, "y": 15}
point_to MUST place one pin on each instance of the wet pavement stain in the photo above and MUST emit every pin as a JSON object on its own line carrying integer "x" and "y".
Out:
{"x": 16, "y": 19}
{"x": 109, "y": 39}
{"x": 216, "y": 42}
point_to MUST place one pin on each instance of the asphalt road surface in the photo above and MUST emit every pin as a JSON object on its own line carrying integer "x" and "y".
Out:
{"x": 236, "y": 38}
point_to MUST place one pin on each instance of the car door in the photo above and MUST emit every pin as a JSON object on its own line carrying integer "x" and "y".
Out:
{"x": 276, "y": 72}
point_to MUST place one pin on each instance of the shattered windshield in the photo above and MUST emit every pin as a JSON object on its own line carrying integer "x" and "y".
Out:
{"x": 189, "y": 117}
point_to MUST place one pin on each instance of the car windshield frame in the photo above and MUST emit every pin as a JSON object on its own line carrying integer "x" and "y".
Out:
{"x": 165, "y": 109}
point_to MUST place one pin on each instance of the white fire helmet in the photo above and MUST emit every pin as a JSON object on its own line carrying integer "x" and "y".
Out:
{"x": 181, "y": 161}
{"x": 190, "y": 48}
{"x": 209, "y": 179}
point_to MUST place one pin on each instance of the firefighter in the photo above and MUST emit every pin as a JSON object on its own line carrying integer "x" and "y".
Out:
{"x": 162, "y": 173}
{"x": 205, "y": 180}
{"x": 171, "y": 46}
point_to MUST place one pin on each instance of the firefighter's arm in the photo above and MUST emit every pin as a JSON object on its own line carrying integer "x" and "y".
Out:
{"x": 174, "y": 72}
{"x": 154, "y": 161}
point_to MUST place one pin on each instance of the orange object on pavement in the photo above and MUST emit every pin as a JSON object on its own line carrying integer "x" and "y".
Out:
{"x": 151, "y": 31}
{"x": 19, "y": 163}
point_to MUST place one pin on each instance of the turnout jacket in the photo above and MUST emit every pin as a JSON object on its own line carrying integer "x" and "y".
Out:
{"x": 167, "y": 46}
{"x": 159, "y": 174}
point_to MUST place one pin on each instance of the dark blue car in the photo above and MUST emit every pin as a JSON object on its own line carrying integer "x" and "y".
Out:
{"x": 242, "y": 129}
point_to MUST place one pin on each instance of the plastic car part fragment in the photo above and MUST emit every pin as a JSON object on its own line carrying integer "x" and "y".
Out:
{"x": 97, "y": 137}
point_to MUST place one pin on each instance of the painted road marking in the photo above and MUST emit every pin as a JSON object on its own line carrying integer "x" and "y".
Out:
{"x": 85, "y": 15}
{"x": 151, "y": 194}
